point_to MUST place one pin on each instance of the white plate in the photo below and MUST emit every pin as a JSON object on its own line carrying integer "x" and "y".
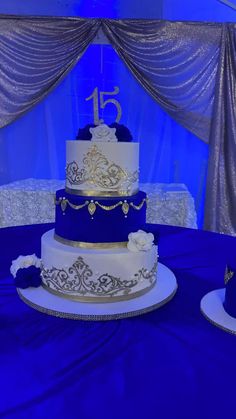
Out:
{"x": 162, "y": 292}
{"x": 212, "y": 308}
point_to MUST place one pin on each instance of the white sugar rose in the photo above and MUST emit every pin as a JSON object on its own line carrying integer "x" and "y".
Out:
{"x": 24, "y": 262}
{"x": 103, "y": 133}
{"x": 140, "y": 241}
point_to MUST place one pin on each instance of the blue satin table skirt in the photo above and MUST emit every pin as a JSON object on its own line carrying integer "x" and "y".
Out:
{"x": 109, "y": 223}
{"x": 167, "y": 364}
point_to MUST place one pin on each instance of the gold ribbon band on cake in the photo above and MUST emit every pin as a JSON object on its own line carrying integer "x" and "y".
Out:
{"x": 110, "y": 299}
{"x": 88, "y": 245}
{"x": 104, "y": 194}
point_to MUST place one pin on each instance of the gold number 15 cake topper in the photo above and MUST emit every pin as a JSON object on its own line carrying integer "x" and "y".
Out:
{"x": 99, "y": 97}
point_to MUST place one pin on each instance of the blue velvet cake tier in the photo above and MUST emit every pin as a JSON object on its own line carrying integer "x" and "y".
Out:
{"x": 230, "y": 294}
{"x": 98, "y": 219}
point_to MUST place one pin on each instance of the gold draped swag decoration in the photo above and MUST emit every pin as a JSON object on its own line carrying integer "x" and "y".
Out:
{"x": 187, "y": 67}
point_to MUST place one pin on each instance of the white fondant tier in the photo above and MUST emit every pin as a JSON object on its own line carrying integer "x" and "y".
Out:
{"x": 99, "y": 275}
{"x": 102, "y": 168}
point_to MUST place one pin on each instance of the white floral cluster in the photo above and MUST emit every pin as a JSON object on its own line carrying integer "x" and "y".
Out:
{"x": 24, "y": 262}
{"x": 140, "y": 241}
{"x": 103, "y": 133}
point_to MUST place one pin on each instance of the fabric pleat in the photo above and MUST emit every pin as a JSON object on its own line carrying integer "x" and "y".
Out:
{"x": 176, "y": 62}
{"x": 220, "y": 210}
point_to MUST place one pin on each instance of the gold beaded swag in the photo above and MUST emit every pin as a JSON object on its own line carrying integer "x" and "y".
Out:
{"x": 92, "y": 205}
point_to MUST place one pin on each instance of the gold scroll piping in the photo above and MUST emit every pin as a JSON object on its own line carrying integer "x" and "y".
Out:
{"x": 99, "y": 171}
{"x": 80, "y": 282}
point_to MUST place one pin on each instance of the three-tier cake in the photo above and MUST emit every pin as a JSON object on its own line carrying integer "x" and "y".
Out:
{"x": 99, "y": 251}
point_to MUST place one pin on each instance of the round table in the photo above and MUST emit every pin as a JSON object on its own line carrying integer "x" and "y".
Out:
{"x": 170, "y": 363}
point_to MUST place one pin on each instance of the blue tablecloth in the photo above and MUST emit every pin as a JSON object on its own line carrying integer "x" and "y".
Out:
{"x": 170, "y": 363}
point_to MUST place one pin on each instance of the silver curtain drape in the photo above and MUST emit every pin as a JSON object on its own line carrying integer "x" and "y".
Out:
{"x": 220, "y": 208}
{"x": 35, "y": 55}
{"x": 176, "y": 62}
{"x": 187, "y": 67}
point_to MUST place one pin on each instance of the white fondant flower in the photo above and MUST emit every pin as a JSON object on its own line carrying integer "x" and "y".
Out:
{"x": 24, "y": 262}
{"x": 103, "y": 133}
{"x": 140, "y": 241}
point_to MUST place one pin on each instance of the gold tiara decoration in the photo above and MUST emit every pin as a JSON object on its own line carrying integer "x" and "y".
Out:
{"x": 92, "y": 205}
{"x": 228, "y": 275}
{"x": 98, "y": 171}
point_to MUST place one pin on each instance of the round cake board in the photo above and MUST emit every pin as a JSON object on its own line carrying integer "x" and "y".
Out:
{"x": 212, "y": 308}
{"x": 162, "y": 292}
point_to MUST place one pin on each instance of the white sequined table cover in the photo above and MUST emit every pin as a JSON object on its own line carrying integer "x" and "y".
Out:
{"x": 31, "y": 201}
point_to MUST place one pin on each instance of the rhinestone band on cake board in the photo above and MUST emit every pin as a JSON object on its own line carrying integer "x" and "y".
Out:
{"x": 45, "y": 302}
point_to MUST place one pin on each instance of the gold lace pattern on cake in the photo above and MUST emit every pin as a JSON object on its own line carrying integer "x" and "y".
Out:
{"x": 79, "y": 279}
{"x": 98, "y": 171}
